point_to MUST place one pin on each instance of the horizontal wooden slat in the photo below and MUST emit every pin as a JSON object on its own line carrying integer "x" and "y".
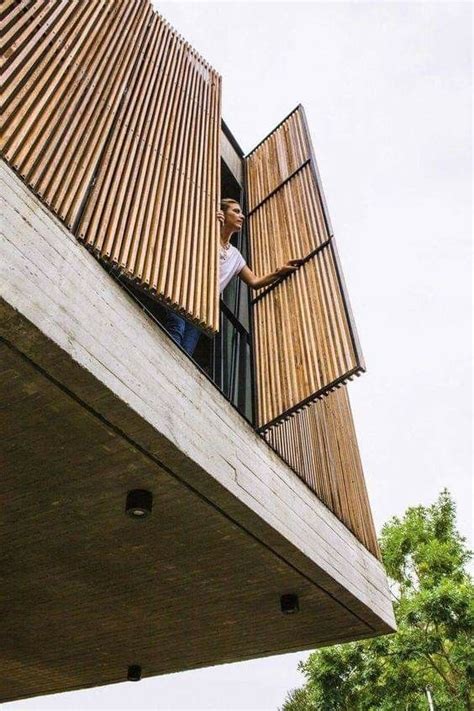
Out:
{"x": 320, "y": 444}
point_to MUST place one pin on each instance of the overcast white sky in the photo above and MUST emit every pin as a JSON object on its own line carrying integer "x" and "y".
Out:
{"x": 387, "y": 92}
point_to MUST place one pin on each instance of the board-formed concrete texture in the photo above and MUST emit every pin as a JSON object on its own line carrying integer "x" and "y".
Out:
{"x": 99, "y": 401}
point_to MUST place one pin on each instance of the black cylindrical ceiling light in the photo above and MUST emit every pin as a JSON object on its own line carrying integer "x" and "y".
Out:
{"x": 134, "y": 672}
{"x": 289, "y": 604}
{"x": 139, "y": 503}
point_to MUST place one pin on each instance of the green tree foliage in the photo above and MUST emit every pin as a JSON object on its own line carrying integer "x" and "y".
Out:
{"x": 429, "y": 662}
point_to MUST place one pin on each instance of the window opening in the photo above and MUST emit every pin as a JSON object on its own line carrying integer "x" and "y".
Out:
{"x": 226, "y": 358}
{"x": 232, "y": 346}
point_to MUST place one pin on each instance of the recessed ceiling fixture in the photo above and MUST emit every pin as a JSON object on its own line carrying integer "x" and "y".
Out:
{"x": 289, "y": 604}
{"x": 139, "y": 503}
{"x": 134, "y": 672}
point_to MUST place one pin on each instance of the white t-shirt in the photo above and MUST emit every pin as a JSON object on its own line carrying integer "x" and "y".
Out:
{"x": 231, "y": 263}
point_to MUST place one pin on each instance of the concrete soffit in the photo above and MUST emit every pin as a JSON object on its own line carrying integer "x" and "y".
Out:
{"x": 236, "y": 525}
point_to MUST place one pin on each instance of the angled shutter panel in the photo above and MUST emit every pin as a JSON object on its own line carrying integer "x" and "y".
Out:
{"x": 304, "y": 337}
{"x": 157, "y": 221}
{"x": 67, "y": 67}
{"x": 114, "y": 121}
{"x": 320, "y": 444}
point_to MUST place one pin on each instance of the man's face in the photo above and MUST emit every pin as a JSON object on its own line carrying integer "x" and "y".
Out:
{"x": 234, "y": 217}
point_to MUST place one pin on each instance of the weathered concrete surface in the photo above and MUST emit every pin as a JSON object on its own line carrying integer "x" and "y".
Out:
{"x": 101, "y": 401}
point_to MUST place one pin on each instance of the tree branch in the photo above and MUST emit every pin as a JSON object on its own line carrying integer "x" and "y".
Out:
{"x": 441, "y": 673}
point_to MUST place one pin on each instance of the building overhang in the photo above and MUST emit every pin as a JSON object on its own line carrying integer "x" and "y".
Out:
{"x": 101, "y": 401}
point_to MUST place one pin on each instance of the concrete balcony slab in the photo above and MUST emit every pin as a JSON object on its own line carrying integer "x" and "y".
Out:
{"x": 100, "y": 401}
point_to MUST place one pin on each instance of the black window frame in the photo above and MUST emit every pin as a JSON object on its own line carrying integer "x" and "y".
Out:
{"x": 232, "y": 375}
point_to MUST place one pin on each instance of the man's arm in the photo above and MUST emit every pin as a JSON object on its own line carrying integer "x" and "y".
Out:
{"x": 255, "y": 282}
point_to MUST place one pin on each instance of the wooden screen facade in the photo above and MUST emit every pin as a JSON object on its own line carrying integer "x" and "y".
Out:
{"x": 320, "y": 444}
{"x": 305, "y": 341}
{"x": 304, "y": 337}
{"x": 113, "y": 120}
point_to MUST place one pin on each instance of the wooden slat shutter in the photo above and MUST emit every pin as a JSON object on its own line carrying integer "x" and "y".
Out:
{"x": 67, "y": 66}
{"x": 114, "y": 121}
{"x": 304, "y": 338}
{"x": 320, "y": 444}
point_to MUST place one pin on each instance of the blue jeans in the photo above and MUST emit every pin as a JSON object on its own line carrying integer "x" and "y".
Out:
{"x": 182, "y": 331}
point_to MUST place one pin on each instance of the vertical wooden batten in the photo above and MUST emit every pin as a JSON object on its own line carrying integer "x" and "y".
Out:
{"x": 320, "y": 444}
{"x": 169, "y": 250}
{"x": 113, "y": 120}
{"x": 317, "y": 347}
{"x": 305, "y": 341}
{"x": 64, "y": 82}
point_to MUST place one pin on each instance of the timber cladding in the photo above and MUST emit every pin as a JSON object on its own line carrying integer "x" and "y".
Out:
{"x": 305, "y": 342}
{"x": 114, "y": 121}
{"x": 320, "y": 444}
{"x": 304, "y": 337}
{"x": 309, "y": 346}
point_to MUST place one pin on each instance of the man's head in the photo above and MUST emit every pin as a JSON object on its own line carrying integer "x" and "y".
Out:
{"x": 233, "y": 215}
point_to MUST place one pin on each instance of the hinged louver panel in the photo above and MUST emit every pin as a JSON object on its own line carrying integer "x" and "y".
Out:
{"x": 114, "y": 121}
{"x": 295, "y": 214}
{"x": 275, "y": 159}
{"x": 320, "y": 444}
{"x": 157, "y": 223}
{"x": 303, "y": 325}
{"x": 304, "y": 337}
{"x": 65, "y": 74}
